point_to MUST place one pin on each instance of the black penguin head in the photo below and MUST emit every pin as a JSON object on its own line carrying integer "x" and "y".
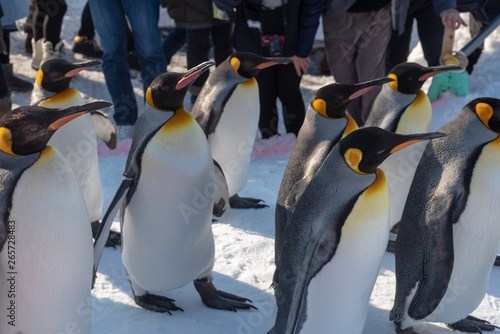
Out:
{"x": 332, "y": 100}
{"x": 248, "y": 65}
{"x": 365, "y": 149}
{"x": 410, "y": 77}
{"x": 55, "y": 75}
{"x": 26, "y": 130}
{"x": 488, "y": 111}
{"x": 167, "y": 91}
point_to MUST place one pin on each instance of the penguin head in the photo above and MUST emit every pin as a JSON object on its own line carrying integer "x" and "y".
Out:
{"x": 55, "y": 75}
{"x": 365, "y": 149}
{"x": 410, "y": 77}
{"x": 248, "y": 65}
{"x": 488, "y": 111}
{"x": 331, "y": 101}
{"x": 167, "y": 91}
{"x": 27, "y": 130}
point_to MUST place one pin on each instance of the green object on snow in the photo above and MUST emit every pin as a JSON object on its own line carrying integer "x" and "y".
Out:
{"x": 456, "y": 82}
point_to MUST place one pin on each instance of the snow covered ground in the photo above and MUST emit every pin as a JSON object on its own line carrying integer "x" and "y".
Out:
{"x": 244, "y": 238}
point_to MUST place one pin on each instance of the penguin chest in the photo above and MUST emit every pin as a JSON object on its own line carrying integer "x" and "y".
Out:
{"x": 77, "y": 142}
{"x": 50, "y": 263}
{"x": 232, "y": 141}
{"x": 166, "y": 229}
{"x": 338, "y": 295}
{"x": 400, "y": 169}
{"x": 476, "y": 239}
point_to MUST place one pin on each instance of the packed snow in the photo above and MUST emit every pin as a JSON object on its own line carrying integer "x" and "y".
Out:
{"x": 244, "y": 238}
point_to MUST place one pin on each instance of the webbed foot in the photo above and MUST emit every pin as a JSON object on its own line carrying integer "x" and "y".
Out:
{"x": 114, "y": 238}
{"x": 472, "y": 325}
{"x": 237, "y": 202}
{"x": 156, "y": 303}
{"x": 218, "y": 299}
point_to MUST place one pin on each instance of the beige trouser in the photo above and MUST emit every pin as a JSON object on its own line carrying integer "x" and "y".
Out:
{"x": 355, "y": 45}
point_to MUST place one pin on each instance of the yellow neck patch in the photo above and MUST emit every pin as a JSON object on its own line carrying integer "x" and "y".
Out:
{"x": 353, "y": 157}
{"x": 393, "y": 84}
{"x": 351, "y": 125}
{"x": 417, "y": 116}
{"x": 6, "y": 141}
{"x": 484, "y": 111}
{"x": 235, "y": 64}
{"x": 179, "y": 121}
{"x": 320, "y": 106}
{"x": 39, "y": 78}
{"x": 249, "y": 82}
{"x": 380, "y": 184}
{"x": 60, "y": 99}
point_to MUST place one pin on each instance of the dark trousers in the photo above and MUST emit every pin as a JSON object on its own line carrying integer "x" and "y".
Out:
{"x": 280, "y": 81}
{"x": 87, "y": 26}
{"x": 47, "y": 20}
{"x": 198, "y": 45}
{"x": 430, "y": 32}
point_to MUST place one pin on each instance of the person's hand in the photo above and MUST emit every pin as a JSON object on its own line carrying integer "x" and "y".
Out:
{"x": 451, "y": 19}
{"x": 301, "y": 64}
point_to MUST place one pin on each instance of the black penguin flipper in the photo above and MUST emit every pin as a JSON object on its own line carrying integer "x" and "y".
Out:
{"x": 105, "y": 226}
{"x": 220, "y": 300}
{"x": 221, "y": 190}
{"x": 104, "y": 129}
{"x": 438, "y": 257}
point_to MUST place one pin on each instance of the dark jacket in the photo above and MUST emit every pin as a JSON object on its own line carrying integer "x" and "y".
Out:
{"x": 301, "y": 18}
{"x": 192, "y": 14}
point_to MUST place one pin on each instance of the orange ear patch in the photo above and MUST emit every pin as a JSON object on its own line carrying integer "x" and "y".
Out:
{"x": 353, "y": 157}
{"x": 235, "y": 64}
{"x": 320, "y": 106}
{"x": 484, "y": 111}
{"x": 6, "y": 141}
{"x": 393, "y": 84}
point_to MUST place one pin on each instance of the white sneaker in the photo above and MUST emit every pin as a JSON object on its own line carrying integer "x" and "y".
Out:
{"x": 50, "y": 51}
{"x": 37, "y": 53}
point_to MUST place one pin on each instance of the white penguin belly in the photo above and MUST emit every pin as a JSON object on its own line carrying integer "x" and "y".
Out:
{"x": 400, "y": 169}
{"x": 166, "y": 232}
{"x": 77, "y": 142}
{"x": 232, "y": 141}
{"x": 338, "y": 295}
{"x": 476, "y": 240}
{"x": 53, "y": 252}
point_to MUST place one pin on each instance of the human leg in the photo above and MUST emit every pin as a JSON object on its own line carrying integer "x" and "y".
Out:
{"x": 174, "y": 41}
{"x": 430, "y": 32}
{"x": 54, "y": 11}
{"x": 143, "y": 18}
{"x": 110, "y": 24}
{"x": 222, "y": 37}
{"x": 370, "y": 60}
{"x": 198, "y": 46}
{"x": 268, "y": 121}
{"x": 398, "y": 47}
{"x": 291, "y": 98}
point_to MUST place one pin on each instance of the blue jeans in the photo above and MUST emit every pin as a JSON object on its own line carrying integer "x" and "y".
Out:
{"x": 110, "y": 23}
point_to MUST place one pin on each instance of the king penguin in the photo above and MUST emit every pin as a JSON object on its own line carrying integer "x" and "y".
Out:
{"x": 227, "y": 110}
{"x": 45, "y": 235}
{"x": 168, "y": 197}
{"x": 448, "y": 236}
{"x": 325, "y": 124}
{"x": 334, "y": 247}
{"x": 403, "y": 108}
{"x": 77, "y": 140}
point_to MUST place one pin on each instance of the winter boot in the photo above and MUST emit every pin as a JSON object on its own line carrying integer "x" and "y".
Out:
{"x": 15, "y": 83}
{"x": 37, "y": 53}
{"x": 5, "y": 105}
{"x": 51, "y": 51}
{"x": 87, "y": 47}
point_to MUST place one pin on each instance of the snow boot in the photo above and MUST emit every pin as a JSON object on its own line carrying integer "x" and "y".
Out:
{"x": 51, "y": 51}
{"x": 15, "y": 83}
{"x": 37, "y": 53}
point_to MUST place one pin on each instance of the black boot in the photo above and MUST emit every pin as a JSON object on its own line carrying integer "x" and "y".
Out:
{"x": 15, "y": 83}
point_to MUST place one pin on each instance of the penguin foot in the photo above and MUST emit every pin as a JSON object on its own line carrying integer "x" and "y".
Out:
{"x": 472, "y": 325}
{"x": 408, "y": 330}
{"x": 237, "y": 202}
{"x": 156, "y": 303}
{"x": 218, "y": 299}
{"x": 391, "y": 246}
{"x": 497, "y": 261}
{"x": 114, "y": 238}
